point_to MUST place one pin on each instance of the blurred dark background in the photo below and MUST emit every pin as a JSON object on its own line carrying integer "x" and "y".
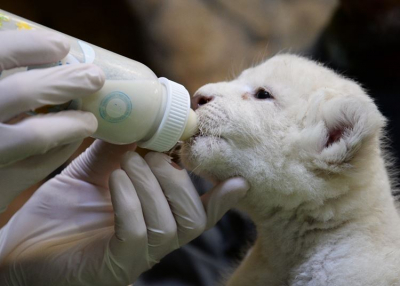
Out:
{"x": 195, "y": 42}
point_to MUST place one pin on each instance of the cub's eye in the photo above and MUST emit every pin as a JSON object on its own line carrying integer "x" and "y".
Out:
{"x": 263, "y": 94}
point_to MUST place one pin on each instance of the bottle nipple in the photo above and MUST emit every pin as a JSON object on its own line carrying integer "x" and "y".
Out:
{"x": 191, "y": 126}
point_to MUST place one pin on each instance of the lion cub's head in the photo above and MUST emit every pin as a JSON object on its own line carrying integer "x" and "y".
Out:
{"x": 294, "y": 129}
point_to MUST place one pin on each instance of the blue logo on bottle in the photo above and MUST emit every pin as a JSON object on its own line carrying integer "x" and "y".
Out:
{"x": 115, "y": 107}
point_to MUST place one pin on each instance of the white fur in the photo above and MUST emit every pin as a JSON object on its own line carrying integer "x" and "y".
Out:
{"x": 323, "y": 209}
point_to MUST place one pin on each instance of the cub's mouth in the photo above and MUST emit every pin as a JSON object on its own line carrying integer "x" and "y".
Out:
{"x": 205, "y": 135}
{"x": 209, "y": 142}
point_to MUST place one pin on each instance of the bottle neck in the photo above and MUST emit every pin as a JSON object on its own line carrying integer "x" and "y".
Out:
{"x": 174, "y": 117}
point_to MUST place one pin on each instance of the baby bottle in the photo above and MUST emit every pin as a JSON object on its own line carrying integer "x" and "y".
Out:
{"x": 133, "y": 105}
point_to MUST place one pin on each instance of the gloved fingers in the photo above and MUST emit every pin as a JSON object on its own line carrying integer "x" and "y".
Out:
{"x": 26, "y": 48}
{"x": 161, "y": 226}
{"x": 39, "y": 134}
{"x": 29, "y": 90}
{"x": 182, "y": 196}
{"x": 97, "y": 163}
{"x": 34, "y": 168}
{"x": 222, "y": 198}
{"x": 130, "y": 227}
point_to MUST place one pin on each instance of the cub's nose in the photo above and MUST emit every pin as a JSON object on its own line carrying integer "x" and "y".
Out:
{"x": 200, "y": 99}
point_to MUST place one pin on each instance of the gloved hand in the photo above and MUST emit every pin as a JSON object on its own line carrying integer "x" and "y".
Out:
{"x": 36, "y": 146}
{"x": 87, "y": 227}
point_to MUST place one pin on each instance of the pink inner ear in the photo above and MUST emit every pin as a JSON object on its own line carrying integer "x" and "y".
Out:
{"x": 334, "y": 136}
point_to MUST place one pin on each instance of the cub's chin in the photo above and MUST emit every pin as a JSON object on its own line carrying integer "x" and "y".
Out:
{"x": 205, "y": 156}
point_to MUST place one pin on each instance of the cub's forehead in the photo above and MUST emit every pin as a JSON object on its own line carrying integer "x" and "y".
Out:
{"x": 291, "y": 72}
{"x": 286, "y": 66}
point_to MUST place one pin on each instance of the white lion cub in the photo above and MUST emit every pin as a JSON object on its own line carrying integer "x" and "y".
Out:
{"x": 308, "y": 142}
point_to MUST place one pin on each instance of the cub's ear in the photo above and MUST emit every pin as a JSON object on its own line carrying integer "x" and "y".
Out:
{"x": 339, "y": 128}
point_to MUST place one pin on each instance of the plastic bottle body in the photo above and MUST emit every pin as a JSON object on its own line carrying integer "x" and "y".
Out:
{"x": 123, "y": 104}
{"x": 133, "y": 106}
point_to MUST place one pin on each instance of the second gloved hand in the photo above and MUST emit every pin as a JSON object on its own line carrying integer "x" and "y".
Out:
{"x": 96, "y": 224}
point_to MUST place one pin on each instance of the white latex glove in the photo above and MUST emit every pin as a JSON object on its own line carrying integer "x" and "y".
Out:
{"x": 68, "y": 233}
{"x": 36, "y": 146}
